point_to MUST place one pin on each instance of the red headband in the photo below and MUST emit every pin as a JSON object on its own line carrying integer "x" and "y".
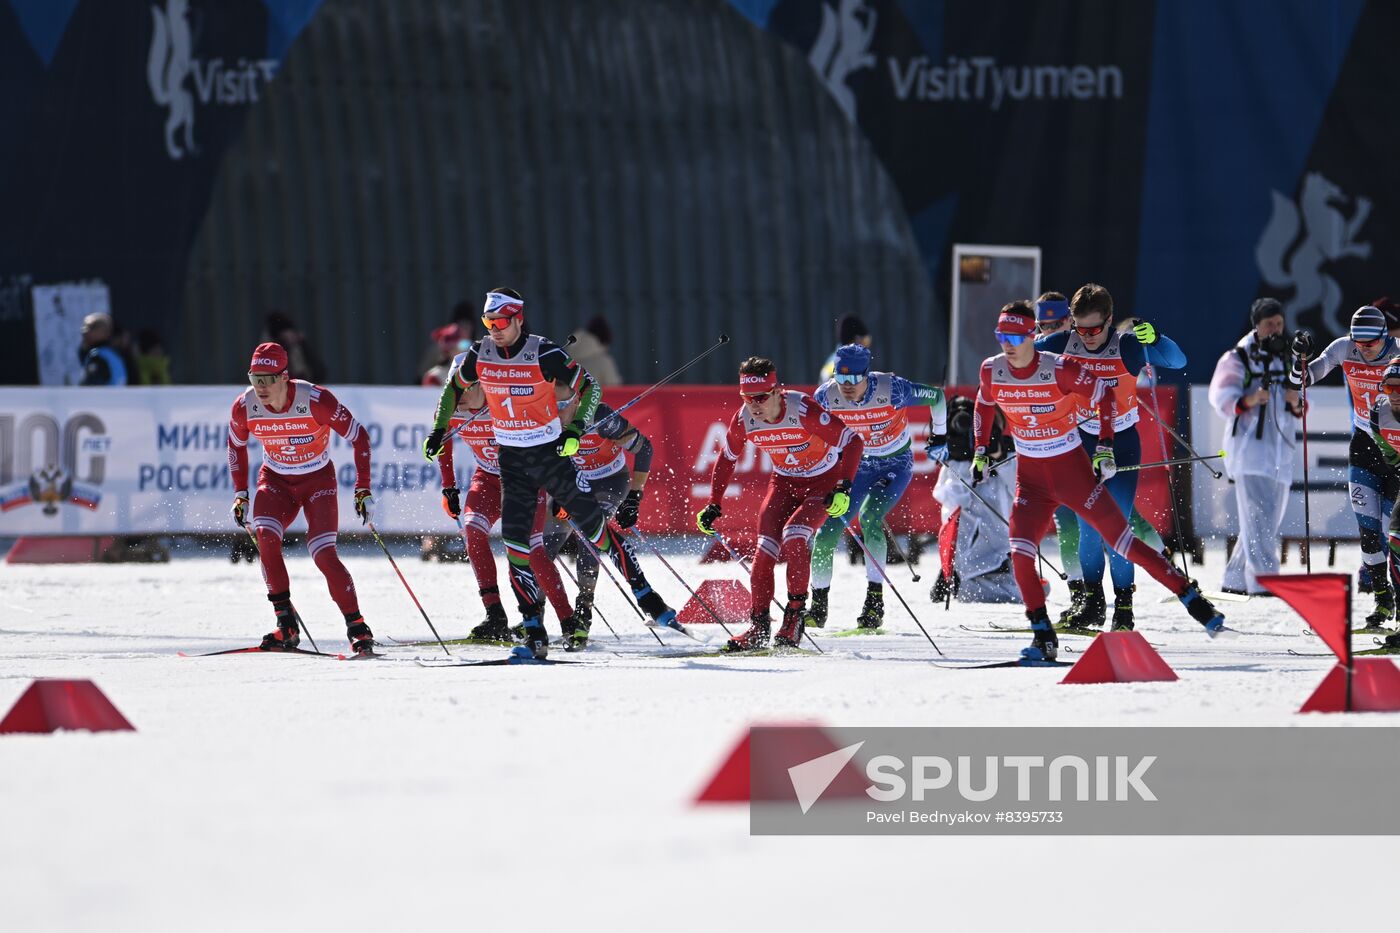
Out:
{"x": 1016, "y": 322}
{"x": 757, "y": 385}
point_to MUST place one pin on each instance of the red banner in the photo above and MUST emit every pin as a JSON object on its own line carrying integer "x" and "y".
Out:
{"x": 686, "y": 426}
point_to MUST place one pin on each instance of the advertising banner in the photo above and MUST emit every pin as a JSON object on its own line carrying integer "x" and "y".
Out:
{"x": 1329, "y": 431}
{"x": 80, "y": 461}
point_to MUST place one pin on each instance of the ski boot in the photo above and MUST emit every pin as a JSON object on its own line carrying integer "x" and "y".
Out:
{"x": 1202, "y": 610}
{"x": 1123, "y": 607}
{"x": 872, "y": 614}
{"x": 1045, "y": 645}
{"x": 755, "y": 637}
{"x": 816, "y": 613}
{"x": 1076, "y": 602}
{"x": 945, "y": 588}
{"x": 1091, "y": 611}
{"x": 575, "y": 632}
{"x": 536, "y": 640}
{"x": 1385, "y": 607}
{"x": 790, "y": 635}
{"x": 495, "y": 628}
{"x": 1392, "y": 642}
{"x": 662, "y": 615}
{"x": 361, "y": 638}
{"x": 288, "y": 634}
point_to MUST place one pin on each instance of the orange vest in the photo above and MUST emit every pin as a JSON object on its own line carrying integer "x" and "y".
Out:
{"x": 524, "y": 412}
{"x": 598, "y": 457}
{"x": 1364, "y": 387}
{"x": 1039, "y": 414}
{"x": 292, "y": 441}
{"x": 794, "y": 450}
{"x": 1107, "y": 364}
{"x": 883, "y": 427}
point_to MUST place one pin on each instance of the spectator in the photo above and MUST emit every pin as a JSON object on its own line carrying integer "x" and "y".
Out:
{"x": 850, "y": 329}
{"x": 102, "y": 364}
{"x": 302, "y": 360}
{"x": 1391, "y": 310}
{"x": 448, "y": 340}
{"x": 593, "y": 354}
{"x": 1251, "y": 391}
{"x": 152, "y": 363}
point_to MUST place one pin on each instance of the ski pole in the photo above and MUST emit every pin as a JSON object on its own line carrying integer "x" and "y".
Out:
{"x": 899, "y": 551}
{"x": 749, "y": 570}
{"x": 978, "y": 496}
{"x": 1172, "y": 431}
{"x": 886, "y": 577}
{"x": 393, "y": 563}
{"x": 604, "y": 619}
{"x": 300, "y": 623}
{"x": 721, "y": 341}
{"x": 667, "y": 564}
{"x": 1170, "y": 463}
{"x": 1307, "y": 512}
{"x": 583, "y": 539}
{"x": 1171, "y": 489}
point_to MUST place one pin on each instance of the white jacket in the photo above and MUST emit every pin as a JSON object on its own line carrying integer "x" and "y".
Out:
{"x": 1249, "y": 449}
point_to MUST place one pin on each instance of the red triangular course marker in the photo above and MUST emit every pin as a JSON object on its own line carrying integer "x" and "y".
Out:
{"x": 1375, "y": 688}
{"x": 728, "y": 598}
{"x": 50, "y": 705}
{"x": 737, "y": 781}
{"x": 1119, "y": 658}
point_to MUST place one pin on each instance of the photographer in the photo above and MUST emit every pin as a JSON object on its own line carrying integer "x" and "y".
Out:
{"x": 1251, "y": 392}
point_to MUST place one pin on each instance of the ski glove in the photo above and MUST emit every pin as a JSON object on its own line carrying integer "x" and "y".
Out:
{"x": 240, "y": 508}
{"x": 1145, "y": 333}
{"x": 937, "y": 447}
{"x": 706, "y": 517}
{"x": 432, "y": 447}
{"x": 363, "y": 503}
{"x": 568, "y": 443}
{"x": 1104, "y": 464}
{"x": 838, "y": 501}
{"x": 452, "y": 501}
{"x": 630, "y": 510}
{"x": 1302, "y": 344}
{"x": 980, "y": 463}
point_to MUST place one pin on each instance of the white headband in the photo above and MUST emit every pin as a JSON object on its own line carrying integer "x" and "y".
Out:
{"x": 497, "y": 303}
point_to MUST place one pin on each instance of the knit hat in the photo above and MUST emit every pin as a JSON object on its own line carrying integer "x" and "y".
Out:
{"x": 1367, "y": 323}
{"x": 268, "y": 358}
{"x": 1263, "y": 309}
{"x": 1048, "y": 312}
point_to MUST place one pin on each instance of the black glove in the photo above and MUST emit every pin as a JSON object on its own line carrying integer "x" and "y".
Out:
{"x": 452, "y": 501}
{"x": 630, "y": 510}
{"x": 705, "y": 519}
{"x": 432, "y": 447}
{"x": 1302, "y": 344}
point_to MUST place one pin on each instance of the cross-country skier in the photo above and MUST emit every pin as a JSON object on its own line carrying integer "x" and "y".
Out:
{"x": 815, "y": 457}
{"x": 874, "y": 405}
{"x": 1385, "y": 431}
{"x": 482, "y": 509}
{"x": 519, "y": 371}
{"x": 601, "y": 462}
{"x": 1117, "y": 359}
{"x": 1040, "y": 394}
{"x": 293, "y": 420}
{"x": 1362, "y": 354}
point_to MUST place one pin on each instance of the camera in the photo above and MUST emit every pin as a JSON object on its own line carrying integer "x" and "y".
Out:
{"x": 1274, "y": 345}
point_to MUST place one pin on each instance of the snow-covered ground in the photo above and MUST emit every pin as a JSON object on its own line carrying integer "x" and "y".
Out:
{"x": 266, "y": 792}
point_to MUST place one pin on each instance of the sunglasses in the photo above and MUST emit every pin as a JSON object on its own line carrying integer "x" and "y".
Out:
{"x": 497, "y": 323}
{"x": 1368, "y": 344}
{"x": 264, "y": 379}
{"x": 1013, "y": 340}
{"x": 1091, "y": 330}
{"x": 758, "y": 398}
{"x": 848, "y": 379}
{"x": 1391, "y": 388}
